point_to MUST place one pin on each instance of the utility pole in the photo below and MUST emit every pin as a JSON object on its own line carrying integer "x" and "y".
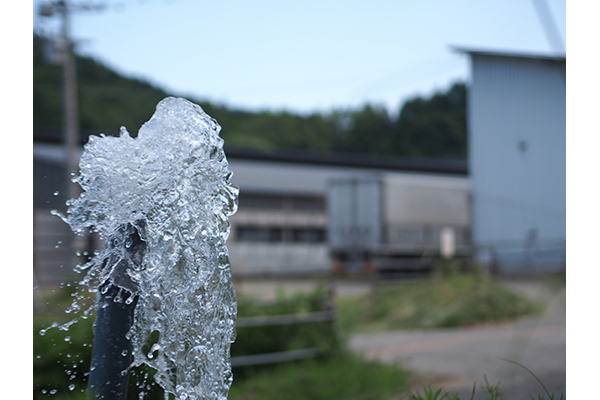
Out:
{"x": 67, "y": 57}
{"x": 70, "y": 102}
{"x": 70, "y": 112}
{"x": 71, "y": 116}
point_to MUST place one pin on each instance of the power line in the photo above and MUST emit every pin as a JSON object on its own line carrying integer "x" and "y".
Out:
{"x": 549, "y": 25}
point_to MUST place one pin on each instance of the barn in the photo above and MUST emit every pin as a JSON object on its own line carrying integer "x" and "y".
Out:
{"x": 517, "y": 160}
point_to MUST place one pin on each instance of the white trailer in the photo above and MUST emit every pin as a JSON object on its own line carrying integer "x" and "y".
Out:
{"x": 397, "y": 221}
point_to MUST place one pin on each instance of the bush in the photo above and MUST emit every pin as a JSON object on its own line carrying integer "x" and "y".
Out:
{"x": 343, "y": 377}
{"x": 454, "y": 300}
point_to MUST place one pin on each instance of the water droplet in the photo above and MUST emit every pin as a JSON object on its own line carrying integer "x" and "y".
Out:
{"x": 56, "y": 193}
{"x": 72, "y": 387}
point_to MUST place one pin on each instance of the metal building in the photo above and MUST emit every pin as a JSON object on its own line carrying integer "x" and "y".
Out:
{"x": 282, "y": 224}
{"x": 285, "y": 217}
{"x": 517, "y": 160}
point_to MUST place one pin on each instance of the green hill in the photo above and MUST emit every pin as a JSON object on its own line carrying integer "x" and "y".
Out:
{"x": 434, "y": 127}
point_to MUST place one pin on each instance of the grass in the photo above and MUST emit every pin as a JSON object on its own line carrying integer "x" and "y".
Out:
{"x": 491, "y": 392}
{"x": 343, "y": 377}
{"x": 556, "y": 282}
{"x": 439, "y": 301}
{"x": 348, "y": 377}
{"x": 455, "y": 300}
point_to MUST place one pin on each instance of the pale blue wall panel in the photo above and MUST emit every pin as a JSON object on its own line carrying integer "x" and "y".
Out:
{"x": 517, "y": 144}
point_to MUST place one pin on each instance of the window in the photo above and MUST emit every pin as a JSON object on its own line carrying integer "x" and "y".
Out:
{"x": 309, "y": 235}
{"x": 277, "y": 202}
{"x": 255, "y": 234}
{"x": 280, "y": 234}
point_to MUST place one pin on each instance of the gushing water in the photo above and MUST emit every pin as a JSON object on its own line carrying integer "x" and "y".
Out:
{"x": 171, "y": 186}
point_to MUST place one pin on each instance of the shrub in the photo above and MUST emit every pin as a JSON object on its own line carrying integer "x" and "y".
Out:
{"x": 458, "y": 299}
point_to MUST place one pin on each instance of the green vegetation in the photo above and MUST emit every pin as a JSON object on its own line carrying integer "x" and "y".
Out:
{"x": 491, "y": 392}
{"x": 344, "y": 377}
{"x": 252, "y": 340}
{"x": 432, "y": 127}
{"x": 61, "y": 358}
{"x": 557, "y": 282}
{"x": 460, "y": 299}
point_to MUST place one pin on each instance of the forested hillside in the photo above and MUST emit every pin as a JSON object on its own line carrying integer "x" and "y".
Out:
{"x": 424, "y": 127}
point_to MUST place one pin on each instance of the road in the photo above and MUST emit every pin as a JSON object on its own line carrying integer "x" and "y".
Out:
{"x": 455, "y": 359}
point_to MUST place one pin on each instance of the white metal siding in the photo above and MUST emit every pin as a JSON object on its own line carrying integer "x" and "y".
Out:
{"x": 354, "y": 212}
{"x": 517, "y": 144}
{"x": 277, "y": 257}
{"x": 426, "y": 200}
{"x": 368, "y": 212}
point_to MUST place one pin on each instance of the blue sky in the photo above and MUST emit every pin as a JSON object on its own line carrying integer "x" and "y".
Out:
{"x": 304, "y": 56}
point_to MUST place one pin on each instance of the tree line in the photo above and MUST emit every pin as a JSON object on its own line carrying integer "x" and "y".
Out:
{"x": 423, "y": 127}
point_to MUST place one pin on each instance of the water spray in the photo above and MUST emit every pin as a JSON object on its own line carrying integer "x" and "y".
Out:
{"x": 161, "y": 201}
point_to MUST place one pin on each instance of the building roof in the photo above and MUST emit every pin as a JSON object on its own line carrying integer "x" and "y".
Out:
{"x": 454, "y": 166}
{"x": 504, "y": 53}
{"x": 55, "y": 154}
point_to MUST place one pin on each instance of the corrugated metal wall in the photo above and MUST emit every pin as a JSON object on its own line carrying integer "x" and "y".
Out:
{"x": 517, "y": 160}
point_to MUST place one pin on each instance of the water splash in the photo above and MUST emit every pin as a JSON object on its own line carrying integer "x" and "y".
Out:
{"x": 171, "y": 186}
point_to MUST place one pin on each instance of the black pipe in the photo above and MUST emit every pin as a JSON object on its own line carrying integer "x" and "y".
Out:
{"x": 116, "y": 301}
{"x": 111, "y": 354}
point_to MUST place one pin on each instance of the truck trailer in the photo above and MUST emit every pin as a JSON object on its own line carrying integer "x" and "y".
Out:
{"x": 397, "y": 223}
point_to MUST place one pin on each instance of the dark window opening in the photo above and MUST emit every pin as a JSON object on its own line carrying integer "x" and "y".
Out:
{"x": 309, "y": 235}
{"x": 254, "y": 234}
{"x": 275, "y": 202}
{"x": 263, "y": 202}
{"x": 280, "y": 235}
